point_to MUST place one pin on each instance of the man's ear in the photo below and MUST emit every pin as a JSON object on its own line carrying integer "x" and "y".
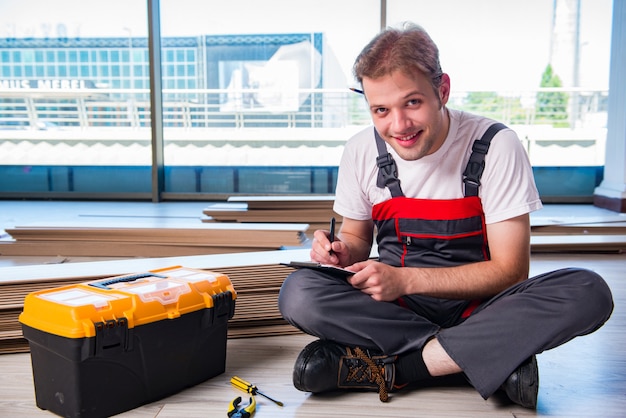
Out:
{"x": 444, "y": 89}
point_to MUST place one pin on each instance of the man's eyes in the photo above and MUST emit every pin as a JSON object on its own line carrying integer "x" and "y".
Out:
{"x": 409, "y": 103}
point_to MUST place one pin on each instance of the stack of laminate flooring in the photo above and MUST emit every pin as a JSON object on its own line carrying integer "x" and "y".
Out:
{"x": 585, "y": 235}
{"x": 316, "y": 211}
{"x": 145, "y": 240}
{"x": 256, "y": 308}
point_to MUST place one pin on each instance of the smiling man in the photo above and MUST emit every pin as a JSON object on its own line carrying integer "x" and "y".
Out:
{"x": 448, "y": 195}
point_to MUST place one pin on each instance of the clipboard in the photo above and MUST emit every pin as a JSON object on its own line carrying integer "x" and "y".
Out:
{"x": 326, "y": 268}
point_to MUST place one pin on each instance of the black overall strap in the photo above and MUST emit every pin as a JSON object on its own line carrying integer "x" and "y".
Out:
{"x": 476, "y": 164}
{"x": 387, "y": 170}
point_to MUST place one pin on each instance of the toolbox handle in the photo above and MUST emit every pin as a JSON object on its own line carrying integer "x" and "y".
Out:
{"x": 130, "y": 278}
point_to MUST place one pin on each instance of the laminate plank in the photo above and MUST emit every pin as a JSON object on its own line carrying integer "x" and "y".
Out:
{"x": 285, "y": 202}
{"x": 217, "y": 234}
{"x": 83, "y": 248}
{"x": 95, "y": 269}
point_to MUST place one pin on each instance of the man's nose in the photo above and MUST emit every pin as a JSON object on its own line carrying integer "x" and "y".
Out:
{"x": 400, "y": 121}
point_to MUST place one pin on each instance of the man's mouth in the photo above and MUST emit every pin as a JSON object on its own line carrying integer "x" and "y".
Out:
{"x": 406, "y": 138}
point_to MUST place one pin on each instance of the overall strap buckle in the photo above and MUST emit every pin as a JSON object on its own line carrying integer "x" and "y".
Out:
{"x": 476, "y": 164}
{"x": 387, "y": 169}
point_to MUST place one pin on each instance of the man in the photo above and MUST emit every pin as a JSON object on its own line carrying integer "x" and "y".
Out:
{"x": 449, "y": 292}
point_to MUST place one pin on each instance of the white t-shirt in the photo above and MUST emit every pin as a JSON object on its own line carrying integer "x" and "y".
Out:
{"x": 507, "y": 185}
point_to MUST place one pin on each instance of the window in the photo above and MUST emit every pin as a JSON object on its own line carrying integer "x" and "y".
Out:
{"x": 262, "y": 104}
{"x": 497, "y": 63}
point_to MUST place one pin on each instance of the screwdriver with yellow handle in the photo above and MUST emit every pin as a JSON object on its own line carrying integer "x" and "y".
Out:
{"x": 239, "y": 383}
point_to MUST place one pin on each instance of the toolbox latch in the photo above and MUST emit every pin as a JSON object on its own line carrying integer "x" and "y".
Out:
{"x": 223, "y": 305}
{"x": 112, "y": 337}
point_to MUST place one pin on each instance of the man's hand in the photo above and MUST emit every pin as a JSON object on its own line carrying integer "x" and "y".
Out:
{"x": 323, "y": 251}
{"x": 353, "y": 243}
{"x": 381, "y": 281}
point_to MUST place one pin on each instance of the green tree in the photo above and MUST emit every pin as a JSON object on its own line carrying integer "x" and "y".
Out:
{"x": 492, "y": 105}
{"x": 552, "y": 105}
{"x": 485, "y": 103}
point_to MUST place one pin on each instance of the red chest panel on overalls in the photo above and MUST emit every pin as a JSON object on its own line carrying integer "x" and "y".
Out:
{"x": 430, "y": 233}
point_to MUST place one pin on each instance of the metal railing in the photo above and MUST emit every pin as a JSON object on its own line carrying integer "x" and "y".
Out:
{"x": 318, "y": 108}
{"x": 557, "y": 126}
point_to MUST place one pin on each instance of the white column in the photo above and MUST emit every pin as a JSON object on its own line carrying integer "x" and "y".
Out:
{"x": 611, "y": 194}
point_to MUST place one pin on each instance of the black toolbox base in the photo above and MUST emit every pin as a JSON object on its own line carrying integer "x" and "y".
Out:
{"x": 100, "y": 377}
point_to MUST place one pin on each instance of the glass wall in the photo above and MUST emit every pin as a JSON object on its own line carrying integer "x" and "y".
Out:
{"x": 272, "y": 109}
{"x": 256, "y": 94}
{"x": 72, "y": 92}
{"x": 497, "y": 54}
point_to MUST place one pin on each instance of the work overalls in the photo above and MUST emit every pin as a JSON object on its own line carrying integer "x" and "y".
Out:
{"x": 488, "y": 339}
{"x": 429, "y": 232}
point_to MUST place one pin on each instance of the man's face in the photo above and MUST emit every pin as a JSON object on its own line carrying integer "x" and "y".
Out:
{"x": 407, "y": 113}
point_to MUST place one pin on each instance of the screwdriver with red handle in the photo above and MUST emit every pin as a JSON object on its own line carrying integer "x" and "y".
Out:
{"x": 239, "y": 383}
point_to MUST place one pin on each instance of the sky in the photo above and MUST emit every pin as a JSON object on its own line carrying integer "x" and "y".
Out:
{"x": 484, "y": 44}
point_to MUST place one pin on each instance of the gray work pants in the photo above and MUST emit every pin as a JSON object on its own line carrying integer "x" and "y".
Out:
{"x": 538, "y": 314}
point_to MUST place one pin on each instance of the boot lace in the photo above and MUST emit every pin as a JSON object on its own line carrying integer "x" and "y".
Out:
{"x": 368, "y": 370}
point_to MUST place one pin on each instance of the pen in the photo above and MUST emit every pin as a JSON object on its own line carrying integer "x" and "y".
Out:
{"x": 356, "y": 90}
{"x": 331, "y": 237}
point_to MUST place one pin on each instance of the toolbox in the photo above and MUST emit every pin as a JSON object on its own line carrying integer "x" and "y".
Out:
{"x": 103, "y": 347}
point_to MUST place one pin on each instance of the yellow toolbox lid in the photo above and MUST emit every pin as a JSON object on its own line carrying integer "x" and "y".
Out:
{"x": 72, "y": 311}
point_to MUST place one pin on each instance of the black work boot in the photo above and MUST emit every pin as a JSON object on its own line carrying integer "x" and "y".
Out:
{"x": 522, "y": 385}
{"x": 324, "y": 366}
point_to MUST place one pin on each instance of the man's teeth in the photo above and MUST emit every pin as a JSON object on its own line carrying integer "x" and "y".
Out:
{"x": 407, "y": 138}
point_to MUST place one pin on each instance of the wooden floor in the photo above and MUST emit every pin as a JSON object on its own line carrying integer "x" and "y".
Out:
{"x": 583, "y": 378}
